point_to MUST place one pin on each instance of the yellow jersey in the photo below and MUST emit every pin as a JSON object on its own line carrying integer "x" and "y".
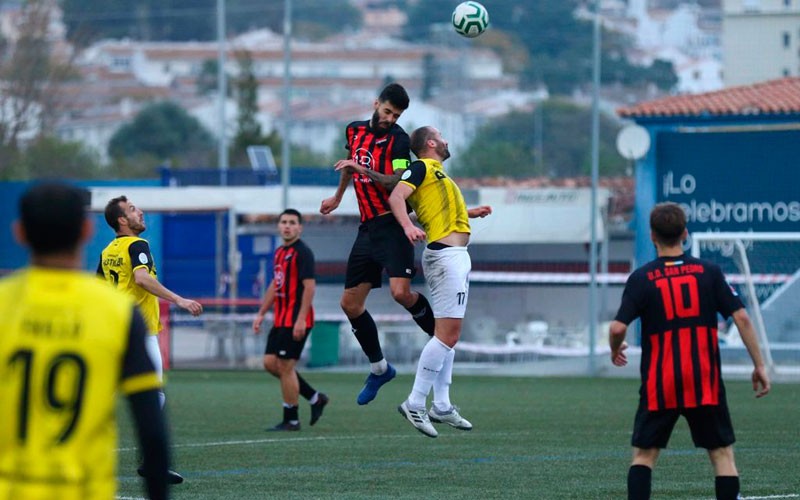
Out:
{"x": 68, "y": 345}
{"x": 118, "y": 261}
{"x": 436, "y": 199}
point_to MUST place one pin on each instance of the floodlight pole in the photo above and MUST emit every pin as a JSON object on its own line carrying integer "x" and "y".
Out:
{"x": 595, "y": 182}
{"x": 222, "y": 144}
{"x": 286, "y": 152}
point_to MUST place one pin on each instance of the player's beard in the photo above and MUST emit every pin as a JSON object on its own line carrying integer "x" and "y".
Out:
{"x": 443, "y": 151}
{"x": 138, "y": 227}
{"x": 376, "y": 124}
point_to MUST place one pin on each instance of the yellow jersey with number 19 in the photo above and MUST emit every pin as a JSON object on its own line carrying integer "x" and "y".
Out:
{"x": 68, "y": 345}
{"x": 118, "y": 261}
{"x": 436, "y": 199}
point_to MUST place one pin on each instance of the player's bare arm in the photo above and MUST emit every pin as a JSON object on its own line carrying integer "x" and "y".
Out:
{"x": 309, "y": 288}
{"x": 152, "y": 285}
{"x": 479, "y": 212}
{"x": 269, "y": 298}
{"x": 616, "y": 341}
{"x": 397, "y": 201}
{"x": 330, "y": 204}
{"x": 761, "y": 383}
{"x": 389, "y": 181}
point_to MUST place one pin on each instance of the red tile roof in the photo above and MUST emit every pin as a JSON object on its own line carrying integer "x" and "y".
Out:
{"x": 775, "y": 97}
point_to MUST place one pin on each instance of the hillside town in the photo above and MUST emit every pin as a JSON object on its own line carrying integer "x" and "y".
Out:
{"x": 332, "y": 78}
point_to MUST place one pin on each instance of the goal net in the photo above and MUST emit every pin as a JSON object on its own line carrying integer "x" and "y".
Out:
{"x": 764, "y": 268}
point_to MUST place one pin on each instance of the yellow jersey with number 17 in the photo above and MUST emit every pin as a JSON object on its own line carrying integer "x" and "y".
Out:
{"x": 68, "y": 345}
{"x": 436, "y": 199}
{"x": 118, "y": 261}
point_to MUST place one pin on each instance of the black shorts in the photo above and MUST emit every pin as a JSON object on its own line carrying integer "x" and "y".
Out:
{"x": 281, "y": 343}
{"x": 380, "y": 244}
{"x": 710, "y": 426}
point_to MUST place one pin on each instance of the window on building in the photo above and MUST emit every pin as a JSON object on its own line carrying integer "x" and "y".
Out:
{"x": 120, "y": 63}
{"x": 751, "y": 5}
{"x": 786, "y": 72}
{"x": 787, "y": 39}
{"x": 787, "y": 3}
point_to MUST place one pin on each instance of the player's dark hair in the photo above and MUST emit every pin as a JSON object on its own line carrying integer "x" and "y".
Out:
{"x": 114, "y": 212}
{"x": 419, "y": 138}
{"x": 395, "y": 94}
{"x": 52, "y": 216}
{"x": 292, "y": 211}
{"x": 668, "y": 221}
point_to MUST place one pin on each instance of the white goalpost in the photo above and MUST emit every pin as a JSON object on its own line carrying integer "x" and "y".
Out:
{"x": 765, "y": 269}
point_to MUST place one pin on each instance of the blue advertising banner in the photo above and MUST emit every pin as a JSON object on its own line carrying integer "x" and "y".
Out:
{"x": 731, "y": 180}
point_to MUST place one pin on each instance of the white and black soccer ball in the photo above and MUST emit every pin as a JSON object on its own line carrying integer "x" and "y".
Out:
{"x": 470, "y": 19}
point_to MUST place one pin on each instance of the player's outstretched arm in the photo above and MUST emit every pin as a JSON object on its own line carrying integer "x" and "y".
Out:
{"x": 152, "y": 285}
{"x": 761, "y": 383}
{"x": 481, "y": 211}
{"x": 389, "y": 181}
{"x": 330, "y": 204}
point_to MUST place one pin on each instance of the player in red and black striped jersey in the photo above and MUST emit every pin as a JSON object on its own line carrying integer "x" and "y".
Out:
{"x": 677, "y": 298}
{"x": 291, "y": 292}
{"x": 378, "y": 153}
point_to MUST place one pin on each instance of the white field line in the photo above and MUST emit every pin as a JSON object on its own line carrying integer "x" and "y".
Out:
{"x": 278, "y": 440}
{"x": 789, "y": 495}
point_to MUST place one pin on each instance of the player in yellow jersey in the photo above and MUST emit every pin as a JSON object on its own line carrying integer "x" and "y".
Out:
{"x": 127, "y": 263}
{"x": 441, "y": 210}
{"x": 69, "y": 344}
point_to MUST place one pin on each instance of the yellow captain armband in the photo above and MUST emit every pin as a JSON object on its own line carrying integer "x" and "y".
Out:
{"x": 400, "y": 163}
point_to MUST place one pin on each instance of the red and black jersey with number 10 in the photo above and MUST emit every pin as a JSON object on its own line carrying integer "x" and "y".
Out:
{"x": 291, "y": 265}
{"x": 678, "y": 300}
{"x": 381, "y": 152}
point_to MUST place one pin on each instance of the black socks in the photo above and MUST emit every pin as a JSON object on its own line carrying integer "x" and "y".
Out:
{"x": 639, "y": 480}
{"x": 423, "y": 314}
{"x": 367, "y": 335}
{"x": 726, "y": 487}
{"x": 305, "y": 388}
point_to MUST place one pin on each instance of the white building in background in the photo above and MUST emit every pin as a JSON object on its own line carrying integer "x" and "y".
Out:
{"x": 687, "y": 36}
{"x": 760, "y": 40}
{"x": 333, "y": 82}
{"x": 697, "y": 76}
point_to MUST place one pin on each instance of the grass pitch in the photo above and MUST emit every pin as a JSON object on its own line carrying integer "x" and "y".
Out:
{"x": 538, "y": 438}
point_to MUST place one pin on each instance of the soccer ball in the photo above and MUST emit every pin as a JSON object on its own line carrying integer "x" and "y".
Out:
{"x": 470, "y": 19}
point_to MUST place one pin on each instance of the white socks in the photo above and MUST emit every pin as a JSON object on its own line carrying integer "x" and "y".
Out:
{"x": 431, "y": 361}
{"x": 441, "y": 386}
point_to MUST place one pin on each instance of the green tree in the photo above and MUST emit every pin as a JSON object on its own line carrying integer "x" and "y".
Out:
{"x": 207, "y": 78}
{"x": 165, "y": 131}
{"x": 31, "y": 77}
{"x": 506, "y": 146}
{"x": 49, "y": 157}
{"x": 248, "y": 131}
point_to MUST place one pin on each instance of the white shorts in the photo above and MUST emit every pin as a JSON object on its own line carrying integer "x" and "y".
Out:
{"x": 154, "y": 351}
{"x": 447, "y": 273}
